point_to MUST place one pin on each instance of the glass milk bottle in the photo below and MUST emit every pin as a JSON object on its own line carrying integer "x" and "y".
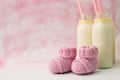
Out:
{"x": 118, "y": 47}
{"x": 103, "y": 37}
{"x": 84, "y": 33}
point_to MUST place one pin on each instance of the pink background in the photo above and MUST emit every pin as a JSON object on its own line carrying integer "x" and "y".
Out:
{"x": 33, "y": 30}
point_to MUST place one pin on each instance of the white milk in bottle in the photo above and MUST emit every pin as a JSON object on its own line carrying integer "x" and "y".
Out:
{"x": 84, "y": 34}
{"x": 84, "y": 29}
{"x": 103, "y": 37}
{"x": 118, "y": 47}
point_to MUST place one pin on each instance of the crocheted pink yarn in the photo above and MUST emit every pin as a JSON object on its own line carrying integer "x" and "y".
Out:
{"x": 63, "y": 63}
{"x": 87, "y": 62}
{"x": 88, "y": 52}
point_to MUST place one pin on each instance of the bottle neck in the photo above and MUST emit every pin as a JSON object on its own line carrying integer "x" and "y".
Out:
{"x": 102, "y": 20}
{"x": 103, "y": 16}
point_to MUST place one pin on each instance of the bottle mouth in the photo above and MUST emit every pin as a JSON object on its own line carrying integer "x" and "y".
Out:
{"x": 103, "y": 20}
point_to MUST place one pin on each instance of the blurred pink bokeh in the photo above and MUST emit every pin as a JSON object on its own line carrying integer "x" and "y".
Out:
{"x": 33, "y": 29}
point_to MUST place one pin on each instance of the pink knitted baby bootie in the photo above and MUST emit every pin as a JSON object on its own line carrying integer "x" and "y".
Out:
{"x": 87, "y": 62}
{"x": 63, "y": 62}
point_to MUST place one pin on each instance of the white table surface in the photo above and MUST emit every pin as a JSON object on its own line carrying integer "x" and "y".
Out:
{"x": 38, "y": 72}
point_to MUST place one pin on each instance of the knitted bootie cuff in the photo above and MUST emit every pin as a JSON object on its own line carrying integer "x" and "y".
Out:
{"x": 67, "y": 52}
{"x": 88, "y": 52}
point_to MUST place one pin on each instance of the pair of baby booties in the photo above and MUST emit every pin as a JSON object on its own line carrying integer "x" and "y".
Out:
{"x": 66, "y": 61}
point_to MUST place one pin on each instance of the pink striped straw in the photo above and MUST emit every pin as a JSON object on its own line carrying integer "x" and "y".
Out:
{"x": 95, "y": 6}
{"x": 80, "y": 8}
{"x": 100, "y": 6}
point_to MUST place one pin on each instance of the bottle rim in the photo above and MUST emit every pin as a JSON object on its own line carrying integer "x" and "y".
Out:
{"x": 86, "y": 21}
{"x": 103, "y": 20}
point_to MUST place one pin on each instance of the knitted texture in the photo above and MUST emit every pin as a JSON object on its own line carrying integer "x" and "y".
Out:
{"x": 87, "y": 62}
{"x": 63, "y": 63}
{"x": 88, "y": 52}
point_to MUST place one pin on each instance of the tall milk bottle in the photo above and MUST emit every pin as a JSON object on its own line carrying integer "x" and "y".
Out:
{"x": 118, "y": 47}
{"x": 104, "y": 38}
{"x": 84, "y": 33}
